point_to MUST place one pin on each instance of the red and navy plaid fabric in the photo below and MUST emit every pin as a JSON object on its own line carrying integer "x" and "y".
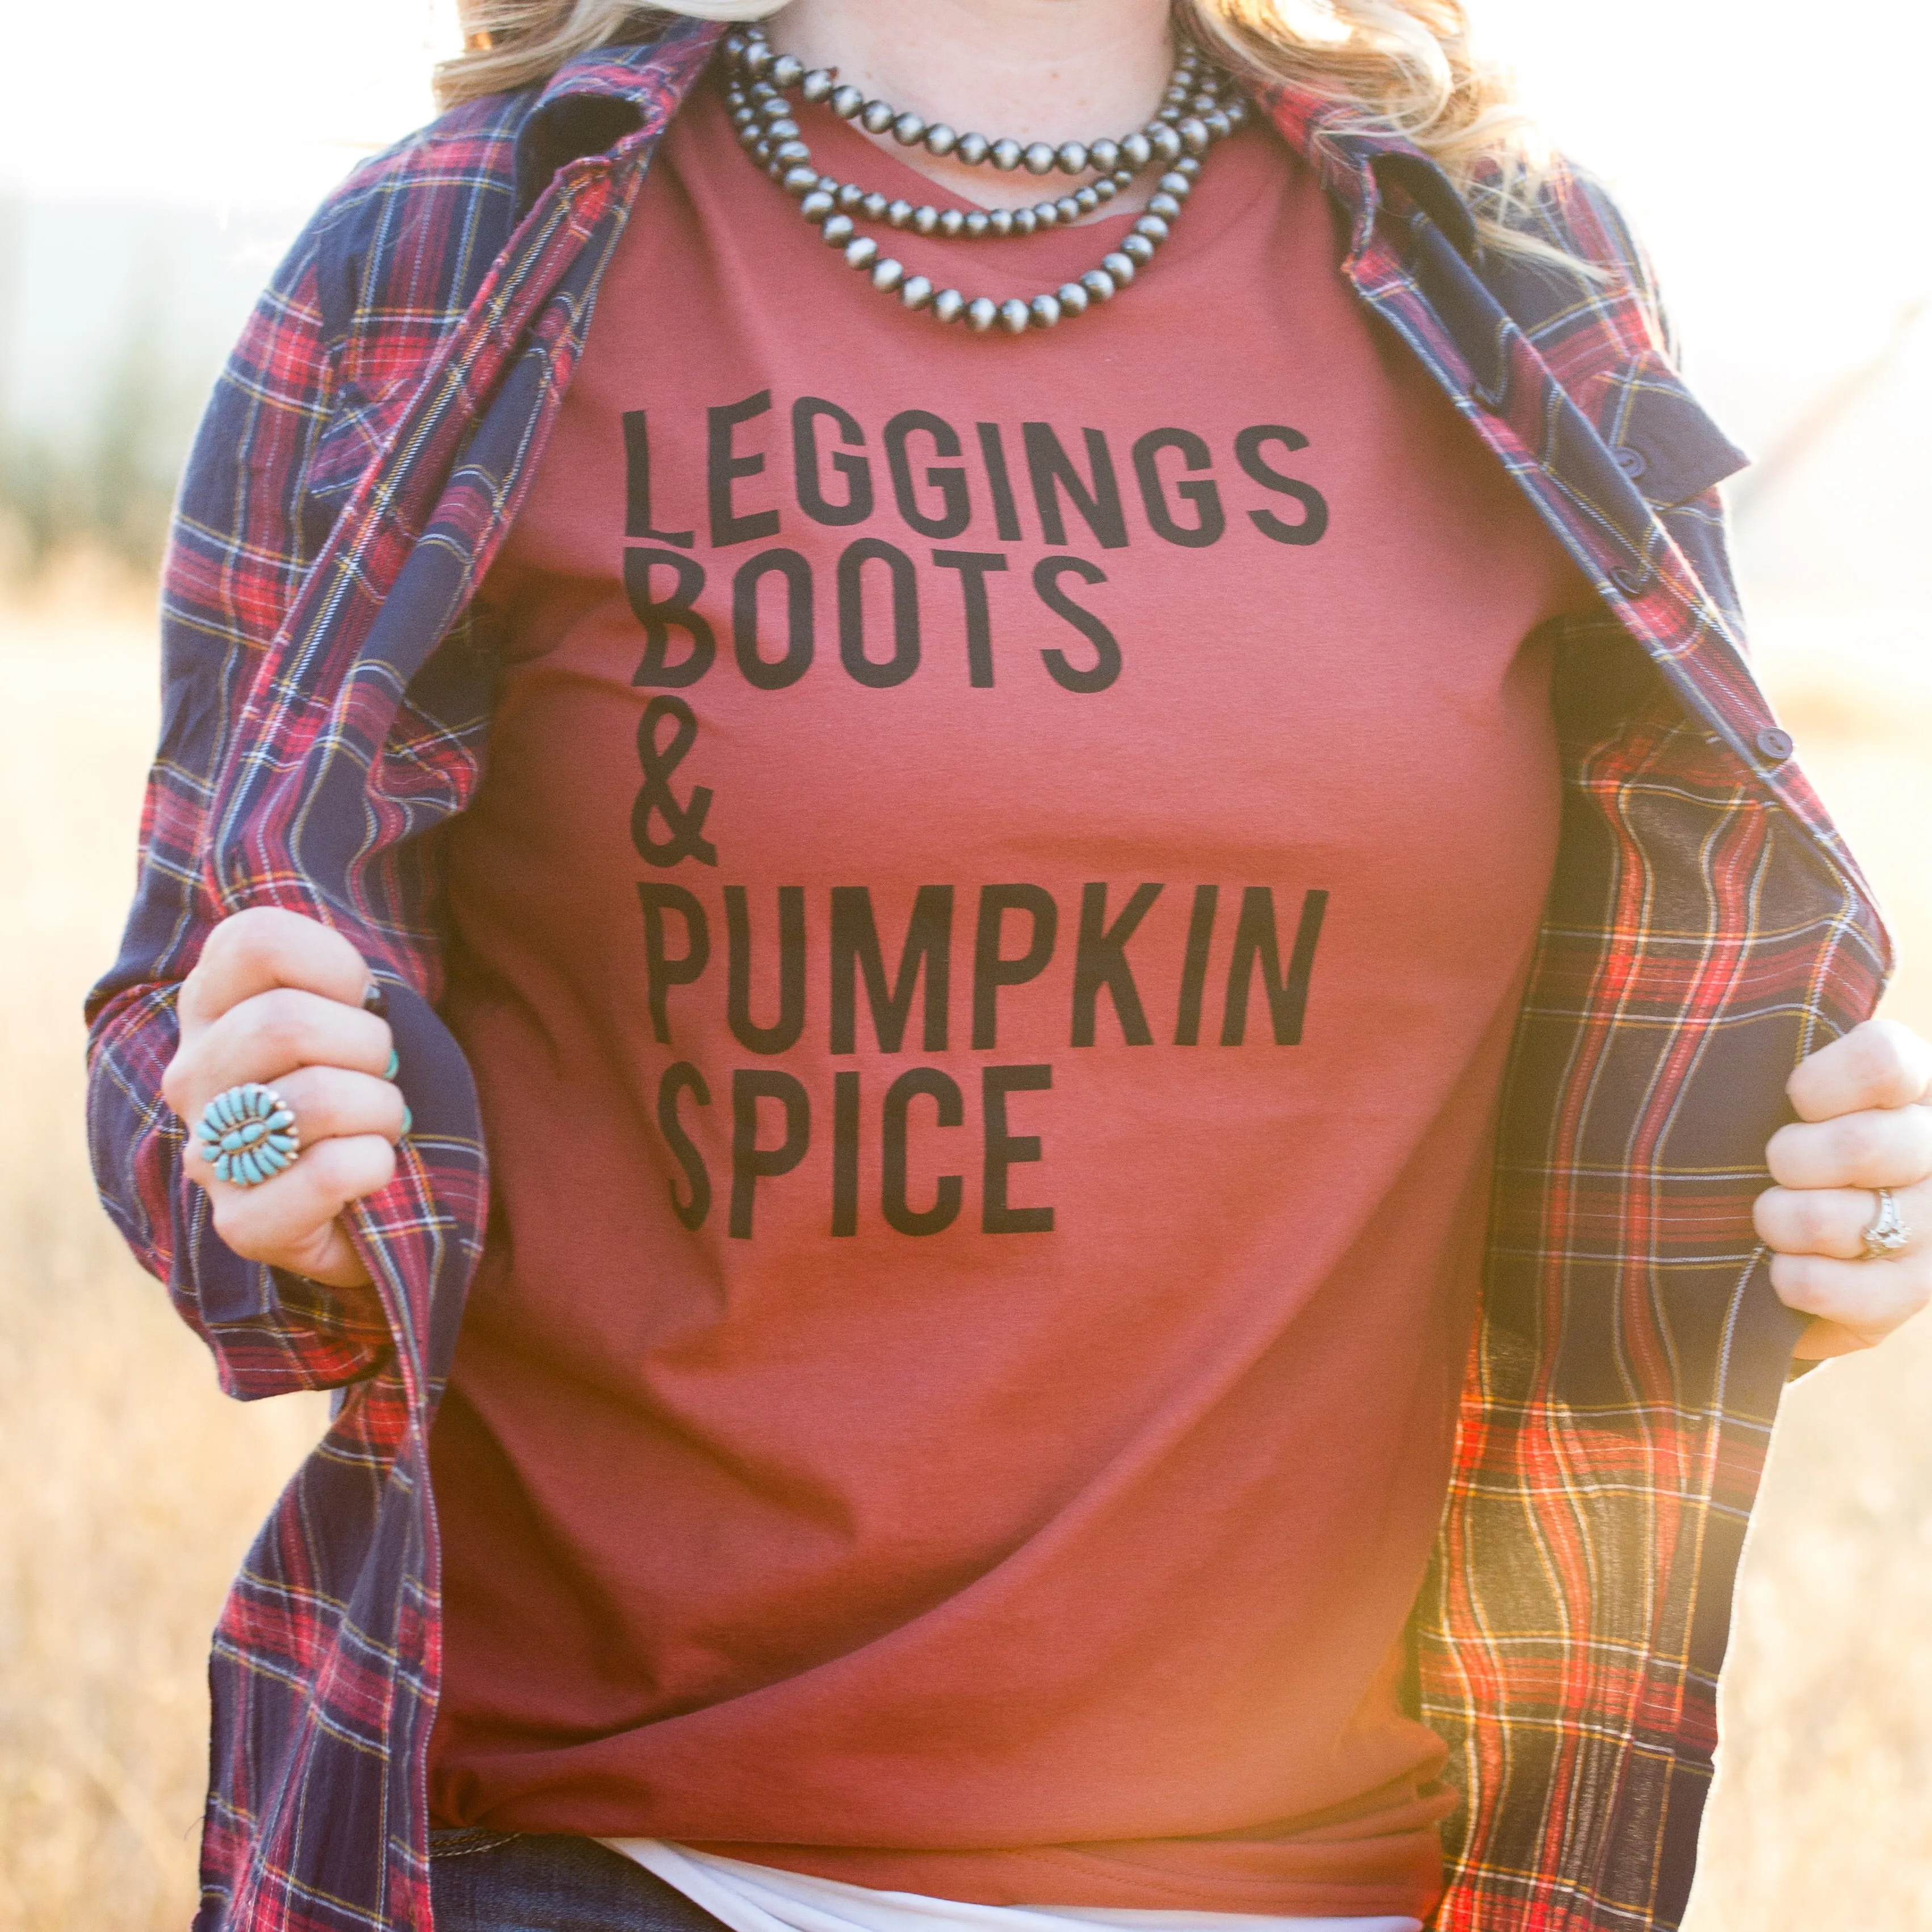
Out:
{"x": 327, "y": 701}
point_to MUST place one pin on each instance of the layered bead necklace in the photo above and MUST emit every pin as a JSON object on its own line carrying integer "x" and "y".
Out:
{"x": 1202, "y": 105}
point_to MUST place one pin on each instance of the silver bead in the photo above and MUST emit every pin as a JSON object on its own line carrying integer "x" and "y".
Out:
{"x": 792, "y": 154}
{"x": 1000, "y": 221}
{"x": 734, "y": 44}
{"x": 1138, "y": 247}
{"x": 818, "y": 205}
{"x": 818, "y": 84}
{"x": 1105, "y": 155}
{"x": 1072, "y": 297}
{"x": 874, "y": 207}
{"x": 1204, "y": 104}
{"x": 1024, "y": 221}
{"x": 973, "y": 149}
{"x": 846, "y": 101}
{"x": 1105, "y": 188}
{"x": 915, "y": 291}
{"x": 1218, "y": 124}
{"x": 1098, "y": 284}
{"x": 850, "y": 194}
{"x": 1155, "y": 230}
{"x": 1165, "y": 142}
{"x": 1045, "y": 311}
{"x": 838, "y": 231}
{"x": 861, "y": 253}
{"x": 977, "y": 223}
{"x": 781, "y": 127}
{"x": 1176, "y": 93}
{"x": 1067, "y": 208}
{"x": 925, "y": 219}
{"x": 788, "y": 71}
{"x": 1175, "y": 183}
{"x": 887, "y": 274}
{"x": 981, "y": 312}
{"x": 1007, "y": 153}
{"x": 1046, "y": 214}
{"x": 1086, "y": 200}
{"x": 1015, "y": 317}
{"x": 949, "y": 305}
{"x": 800, "y": 180}
{"x": 898, "y": 213}
{"x": 758, "y": 56}
{"x": 909, "y": 129}
{"x": 1119, "y": 266}
{"x": 1237, "y": 111}
{"x": 1189, "y": 166}
{"x": 1037, "y": 156}
{"x": 877, "y": 117}
{"x": 1070, "y": 157}
{"x": 1194, "y": 135}
{"x": 940, "y": 140}
{"x": 1164, "y": 205}
{"x": 1136, "y": 151}
{"x": 951, "y": 220}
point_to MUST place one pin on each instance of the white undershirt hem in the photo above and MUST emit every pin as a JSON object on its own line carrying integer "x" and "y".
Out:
{"x": 762, "y": 1898}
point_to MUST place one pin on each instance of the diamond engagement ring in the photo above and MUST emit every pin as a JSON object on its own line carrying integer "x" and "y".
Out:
{"x": 247, "y": 1135}
{"x": 1887, "y": 1237}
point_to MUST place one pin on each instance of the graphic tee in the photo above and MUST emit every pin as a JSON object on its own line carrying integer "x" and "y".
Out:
{"x": 989, "y": 938}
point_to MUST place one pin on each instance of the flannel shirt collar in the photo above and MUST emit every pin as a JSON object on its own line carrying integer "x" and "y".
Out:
{"x": 595, "y": 100}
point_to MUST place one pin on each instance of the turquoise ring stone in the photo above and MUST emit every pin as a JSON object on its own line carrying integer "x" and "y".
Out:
{"x": 247, "y": 1135}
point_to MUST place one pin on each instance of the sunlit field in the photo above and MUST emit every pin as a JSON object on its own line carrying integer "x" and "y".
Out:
{"x": 132, "y": 1486}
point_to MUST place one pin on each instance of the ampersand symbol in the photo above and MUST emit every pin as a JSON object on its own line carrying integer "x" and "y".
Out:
{"x": 683, "y": 824}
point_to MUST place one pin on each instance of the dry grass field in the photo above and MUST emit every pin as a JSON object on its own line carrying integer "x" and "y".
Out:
{"x": 131, "y": 1487}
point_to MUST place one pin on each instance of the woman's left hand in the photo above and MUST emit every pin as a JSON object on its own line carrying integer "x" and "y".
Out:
{"x": 1863, "y": 1124}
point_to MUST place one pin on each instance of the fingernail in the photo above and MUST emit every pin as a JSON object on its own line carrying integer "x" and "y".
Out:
{"x": 395, "y": 1066}
{"x": 409, "y": 1119}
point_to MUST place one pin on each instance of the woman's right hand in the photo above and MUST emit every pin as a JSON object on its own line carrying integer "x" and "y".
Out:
{"x": 278, "y": 998}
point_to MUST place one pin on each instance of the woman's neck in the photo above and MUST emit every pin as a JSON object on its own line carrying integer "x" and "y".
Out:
{"x": 1037, "y": 70}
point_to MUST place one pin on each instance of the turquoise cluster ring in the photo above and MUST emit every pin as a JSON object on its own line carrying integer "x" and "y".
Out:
{"x": 248, "y": 1136}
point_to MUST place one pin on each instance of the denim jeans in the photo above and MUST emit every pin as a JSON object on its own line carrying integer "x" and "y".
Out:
{"x": 483, "y": 1881}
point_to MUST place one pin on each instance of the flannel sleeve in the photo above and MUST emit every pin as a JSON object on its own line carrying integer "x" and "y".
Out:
{"x": 252, "y": 512}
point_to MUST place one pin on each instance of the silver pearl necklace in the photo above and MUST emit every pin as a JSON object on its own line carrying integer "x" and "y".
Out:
{"x": 1200, "y": 106}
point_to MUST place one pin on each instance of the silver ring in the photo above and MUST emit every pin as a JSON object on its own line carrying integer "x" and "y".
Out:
{"x": 1887, "y": 1237}
{"x": 248, "y": 1136}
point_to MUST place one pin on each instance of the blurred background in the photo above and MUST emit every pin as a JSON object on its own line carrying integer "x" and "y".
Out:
{"x": 149, "y": 178}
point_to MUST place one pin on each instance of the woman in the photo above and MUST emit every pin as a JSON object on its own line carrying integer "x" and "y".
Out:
{"x": 1052, "y": 779}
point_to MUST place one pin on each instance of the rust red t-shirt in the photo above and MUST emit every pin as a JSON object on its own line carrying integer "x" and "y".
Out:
{"x": 989, "y": 940}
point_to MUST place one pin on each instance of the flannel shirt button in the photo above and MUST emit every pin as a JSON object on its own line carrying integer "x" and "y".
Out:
{"x": 1630, "y": 461}
{"x": 1633, "y": 580}
{"x": 1776, "y": 745}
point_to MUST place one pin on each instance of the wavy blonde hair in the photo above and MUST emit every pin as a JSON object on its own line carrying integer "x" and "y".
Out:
{"x": 1406, "y": 66}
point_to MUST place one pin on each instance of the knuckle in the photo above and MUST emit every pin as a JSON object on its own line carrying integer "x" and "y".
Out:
{"x": 238, "y": 1227}
{"x": 1860, "y": 1140}
{"x": 1814, "y": 1218}
{"x": 279, "y": 1022}
{"x": 246, "y": 937}
{"x": 175, "y": 1085}
{"x": 1885, "y": 1061}
{"x": 1797, "y": 1283}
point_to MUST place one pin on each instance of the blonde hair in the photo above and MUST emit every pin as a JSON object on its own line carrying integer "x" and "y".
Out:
{"x": 1401, "y": 67}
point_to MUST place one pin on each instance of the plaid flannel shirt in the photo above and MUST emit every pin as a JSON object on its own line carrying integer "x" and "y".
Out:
{"x": 326, "y": 707}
